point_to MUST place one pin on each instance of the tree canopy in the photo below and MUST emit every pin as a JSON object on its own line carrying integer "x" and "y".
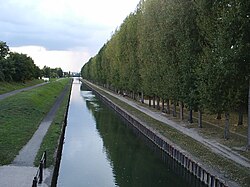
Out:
{"x": 194, "y": 52}
{"x": 20, "y": 67}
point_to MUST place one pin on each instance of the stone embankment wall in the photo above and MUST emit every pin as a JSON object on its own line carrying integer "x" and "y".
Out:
{"x": 162, "y": 143}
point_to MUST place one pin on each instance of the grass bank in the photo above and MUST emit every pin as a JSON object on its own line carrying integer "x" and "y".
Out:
{"x": 50, "y": 141}
{"x": 225, "y": 167}
{"x": 10, "y": 86}
{"x": 21, "y": 114}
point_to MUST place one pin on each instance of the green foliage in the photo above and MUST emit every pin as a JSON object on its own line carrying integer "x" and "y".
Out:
{"x": 196, "y": 52}
{"x": 16, "y": 67}
{"x": 20, "y": 67}
{"x": 224, "y": 70}
{"x": 46, "y": 71}
{"x": 51, "y": 72}
{"x": 4, "y": 49}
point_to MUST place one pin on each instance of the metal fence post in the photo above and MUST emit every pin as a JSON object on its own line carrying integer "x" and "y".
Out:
{"x": 34, "y": 183}
{"x": 45, "y": 159}
{"x": 41, "y": 172}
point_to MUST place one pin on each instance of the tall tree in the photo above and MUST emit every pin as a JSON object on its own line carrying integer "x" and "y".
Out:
{"x": 187, "y": 34}
{"x": 222, "y": 75}
{"x": 46, "y": 71}
{"x": 4, "y": 51}
{"x": 24, "y": 67}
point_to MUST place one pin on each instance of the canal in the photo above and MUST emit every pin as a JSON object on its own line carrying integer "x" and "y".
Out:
{"x": 101, "y": 150}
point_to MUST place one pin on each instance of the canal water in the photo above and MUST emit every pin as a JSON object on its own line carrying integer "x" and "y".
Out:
{"x": 101, "y": 150}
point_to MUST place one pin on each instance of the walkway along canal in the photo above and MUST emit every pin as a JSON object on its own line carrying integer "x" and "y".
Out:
{"x": 101, "y": 149}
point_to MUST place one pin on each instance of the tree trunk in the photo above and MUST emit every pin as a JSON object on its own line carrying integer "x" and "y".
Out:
{"x": 240, "y": 118}
{"x": 142, "y": 97}
{"x": 200, "y": 118}
{"x": 190, "y": 118}
{"x": 158, "y": 103}
{"x": 168, "y": 107}
{"x": 218, "y": 116}
{"x": 149, "y": 102}
{"x": 248, "y": 134}
{"x": 154, "y": 102}
{"x": 163, "y": 106}
{"x": 240, "y": 115}
{"x": 226, "y": 131}
{"x": 174, "y": 109}
{"x": 181, "y": 111}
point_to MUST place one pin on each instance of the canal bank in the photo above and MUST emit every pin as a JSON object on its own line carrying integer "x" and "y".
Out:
{"x": 58, "y": 152}
{"x": 101, "y": 150}
{"x": 201, "y": 171}
{"x": 22, "y": 170}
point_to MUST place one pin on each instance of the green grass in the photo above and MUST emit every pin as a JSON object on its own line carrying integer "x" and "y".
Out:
{"x": 214, "y": 128}
{"x": 229, "y": 169}
{"x": 10, "y": 86}
{"x": 216, "y": 131}
{"x": 21, "y": 114}
{"x": 50, "y": 141}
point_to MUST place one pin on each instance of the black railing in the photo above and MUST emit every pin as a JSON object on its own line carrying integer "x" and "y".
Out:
{"x": 39, "y": 174}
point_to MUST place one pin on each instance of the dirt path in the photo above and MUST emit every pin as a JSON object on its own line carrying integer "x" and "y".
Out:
{"x": 212, "y": 144}
{"x": 3, "y": 96}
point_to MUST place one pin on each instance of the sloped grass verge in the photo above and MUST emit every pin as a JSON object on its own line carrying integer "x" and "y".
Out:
{"x": 21, "y": 114}
{"x": 50, "y": 141}
{"x": 10, "y": 86}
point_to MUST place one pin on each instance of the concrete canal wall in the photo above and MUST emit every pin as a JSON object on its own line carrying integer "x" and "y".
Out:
{"x": 165, "y": 145}
{"x": 58, "y": 153}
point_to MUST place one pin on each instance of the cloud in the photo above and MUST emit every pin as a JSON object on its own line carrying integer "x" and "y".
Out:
{"x": 54, "y": 24}
{"x": 62, "y": 25}
{"x": 67, "y": 60}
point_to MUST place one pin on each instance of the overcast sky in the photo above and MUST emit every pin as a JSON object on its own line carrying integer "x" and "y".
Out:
{"x": 61, "y": 33}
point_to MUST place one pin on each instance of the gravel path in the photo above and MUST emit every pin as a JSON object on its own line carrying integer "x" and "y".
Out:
{"x": 3, "y": 96}
{"x": 212, "y": 144}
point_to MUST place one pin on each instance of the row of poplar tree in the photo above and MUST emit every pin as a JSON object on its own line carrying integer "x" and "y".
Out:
{"x": 192, "y": 52}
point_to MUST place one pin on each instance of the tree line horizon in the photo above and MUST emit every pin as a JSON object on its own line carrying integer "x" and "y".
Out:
{"x": 18, "y": 67}
{"x": 192, "y": 53}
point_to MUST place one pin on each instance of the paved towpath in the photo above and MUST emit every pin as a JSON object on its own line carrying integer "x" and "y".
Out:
{"x": 212, "y": 144}
{"x": 22, "y": 171}
{"x": 3, "y": 96}
{"x": 27, "y": 155}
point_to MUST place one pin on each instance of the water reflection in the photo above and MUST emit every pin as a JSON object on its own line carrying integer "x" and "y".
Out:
{"x": 134, "y": 164}
{"x": 84, "y": 163}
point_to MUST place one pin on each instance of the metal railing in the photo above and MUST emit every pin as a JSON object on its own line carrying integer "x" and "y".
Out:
{"x": 39, "y": 174}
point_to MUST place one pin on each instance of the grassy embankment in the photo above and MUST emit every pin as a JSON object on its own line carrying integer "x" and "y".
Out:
{"x": 230, "y": 169}
{"x": 10, "y": 86}
{"x": 21, "y": 114}
{"x": 214, "y": 129}
{"x": 50, "y": 141}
